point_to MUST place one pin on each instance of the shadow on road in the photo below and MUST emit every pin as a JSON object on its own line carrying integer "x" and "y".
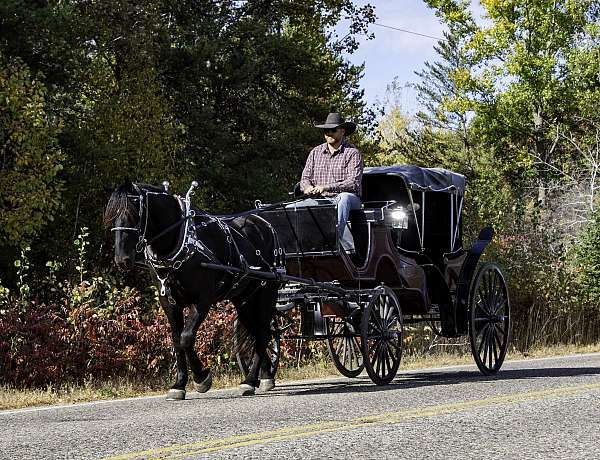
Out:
{"x": 363, "y": 384}
{"x": 426, "y": 379}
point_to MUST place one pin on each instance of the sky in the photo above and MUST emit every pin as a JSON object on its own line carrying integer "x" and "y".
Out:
{"x": 395, "y": 54}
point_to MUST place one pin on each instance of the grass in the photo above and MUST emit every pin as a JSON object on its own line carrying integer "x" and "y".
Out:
{"x": 11, "y": 398}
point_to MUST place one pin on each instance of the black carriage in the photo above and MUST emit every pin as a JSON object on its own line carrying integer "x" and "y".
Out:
{"x": 410, "y": 266}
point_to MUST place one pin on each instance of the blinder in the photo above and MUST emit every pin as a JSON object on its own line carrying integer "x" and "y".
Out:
{"x": 140, "y": 246}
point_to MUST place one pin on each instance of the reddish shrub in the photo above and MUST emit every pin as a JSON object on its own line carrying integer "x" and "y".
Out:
{"x": 43, "y": 344}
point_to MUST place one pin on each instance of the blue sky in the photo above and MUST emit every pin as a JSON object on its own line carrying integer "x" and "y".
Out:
{"x": 394, "y": 54}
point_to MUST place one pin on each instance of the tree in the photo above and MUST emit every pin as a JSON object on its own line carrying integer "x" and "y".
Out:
{"x": 30, "y": 158}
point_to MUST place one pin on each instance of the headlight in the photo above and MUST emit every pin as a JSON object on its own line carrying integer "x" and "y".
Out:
{"x": 399, "y": 214}
{"x": 399, "y": 218}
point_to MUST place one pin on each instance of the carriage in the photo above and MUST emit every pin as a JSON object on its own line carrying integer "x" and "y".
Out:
{"x": 410, "y": 266}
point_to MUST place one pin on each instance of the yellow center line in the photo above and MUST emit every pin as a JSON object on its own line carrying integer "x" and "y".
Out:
{"x": 314, "y": 429}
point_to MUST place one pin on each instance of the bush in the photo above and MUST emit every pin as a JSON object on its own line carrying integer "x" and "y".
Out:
{"x": 91, "y": 327}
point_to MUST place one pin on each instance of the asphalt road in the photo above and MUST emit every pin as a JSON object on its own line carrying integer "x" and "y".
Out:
{"x": 548, "y": 408}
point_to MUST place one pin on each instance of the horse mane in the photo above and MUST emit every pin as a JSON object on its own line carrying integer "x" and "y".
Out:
{"x": 120, "y": 205}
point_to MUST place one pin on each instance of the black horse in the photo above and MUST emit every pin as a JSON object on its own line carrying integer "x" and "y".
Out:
{"x": 176, "y": 241}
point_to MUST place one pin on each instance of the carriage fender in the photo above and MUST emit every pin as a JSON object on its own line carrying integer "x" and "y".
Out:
{"x": 466, "y": 275}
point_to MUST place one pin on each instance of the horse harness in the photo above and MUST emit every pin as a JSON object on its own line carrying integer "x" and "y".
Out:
{"x": 190, "y": 244}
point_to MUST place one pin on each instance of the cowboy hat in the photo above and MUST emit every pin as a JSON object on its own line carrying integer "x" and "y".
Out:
{"x": 335, "y": 120}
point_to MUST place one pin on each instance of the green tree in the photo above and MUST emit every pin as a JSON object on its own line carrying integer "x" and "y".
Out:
{"x": 30, "y": 158}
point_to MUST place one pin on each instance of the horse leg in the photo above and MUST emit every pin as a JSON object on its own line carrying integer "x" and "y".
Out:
{"x": 251, "y": 381}
{"x": 202, "y": 377}
{"x": 256, "y": 316}
{"x": 265, "y": 306}
{"x": 175, "y": 317}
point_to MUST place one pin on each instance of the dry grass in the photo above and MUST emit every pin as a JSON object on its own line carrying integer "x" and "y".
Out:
{"x": 11, "y": 398}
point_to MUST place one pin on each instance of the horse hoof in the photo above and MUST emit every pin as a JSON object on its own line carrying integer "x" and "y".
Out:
{"x": 266, "y": 385}
{"x": 175, "y": 395}
{"x": 246, "y": 390}
{"x": 205, "y": 385}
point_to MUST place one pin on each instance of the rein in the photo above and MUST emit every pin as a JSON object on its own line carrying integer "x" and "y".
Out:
{"x": 259, "y": 208}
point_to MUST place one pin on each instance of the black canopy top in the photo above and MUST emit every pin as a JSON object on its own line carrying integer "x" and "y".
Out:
{"x": 423, "y": 179}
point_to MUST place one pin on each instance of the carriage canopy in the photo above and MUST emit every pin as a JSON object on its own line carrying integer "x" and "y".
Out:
{"x": 435, "y": 197}
{"x": 422, "y": 179}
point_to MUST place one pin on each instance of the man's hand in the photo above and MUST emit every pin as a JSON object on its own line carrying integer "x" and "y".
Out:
{"x": 318, "y": 190}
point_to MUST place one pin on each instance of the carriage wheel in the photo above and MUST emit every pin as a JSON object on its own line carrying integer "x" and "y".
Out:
{"x": 382, "y": 332}
{"x": 244, "y": 356}
{"x": 489, "y": 329}
{"x": 344, "y": 351}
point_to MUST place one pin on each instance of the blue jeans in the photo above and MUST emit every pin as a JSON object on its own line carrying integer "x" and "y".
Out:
{"x": 345, "y": 203}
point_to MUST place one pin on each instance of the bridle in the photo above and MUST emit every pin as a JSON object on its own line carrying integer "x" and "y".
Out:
{"x": 142, "y": 196}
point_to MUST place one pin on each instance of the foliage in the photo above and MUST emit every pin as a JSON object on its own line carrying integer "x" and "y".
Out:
{"x": 30, "y": 158}
{"x": 511, "y": 102}
{"x": 588, "y": 260}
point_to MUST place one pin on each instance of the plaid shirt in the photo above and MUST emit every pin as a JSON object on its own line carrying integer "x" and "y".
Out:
{"x": 340, "y": 171}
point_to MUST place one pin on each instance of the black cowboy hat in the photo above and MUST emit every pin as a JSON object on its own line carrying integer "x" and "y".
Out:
{"x": 335, "y": 120}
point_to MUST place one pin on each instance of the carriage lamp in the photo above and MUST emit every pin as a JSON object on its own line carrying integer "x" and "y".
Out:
{"x": 399, "y": 218}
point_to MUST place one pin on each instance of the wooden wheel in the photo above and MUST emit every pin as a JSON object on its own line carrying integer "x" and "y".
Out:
{"x": 489, "y": 318}
{"x": 244, "y": 353}
{"x": 344, "y": 347}
{"x": 382, "y": 332}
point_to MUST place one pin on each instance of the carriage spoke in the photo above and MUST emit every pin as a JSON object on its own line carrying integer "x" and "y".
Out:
{"x": 491, "y": 348}
{"x": 500, "y": 306}
{"x": 382, "y": 358}
{"x": 345, "y": 348}
{"x": 480, "y": 349}
{"x": 376, "y": 359}
{"x": 339, "y": 346}
{"x": 394, "y": 344}
{"x": 389, "y": 359}
{"x": 483, "y": 304}
{"x": 355, "y": 355}
{"x": 493, "y": 293}
{"x": 486, "y": 342}
{"x": 377, "y": 319}
{"x": 482, "y": 329}
{"x": 497, "y": 338}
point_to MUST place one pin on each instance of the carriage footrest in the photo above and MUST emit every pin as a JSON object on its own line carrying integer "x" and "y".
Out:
{"x": 312, "y": 321}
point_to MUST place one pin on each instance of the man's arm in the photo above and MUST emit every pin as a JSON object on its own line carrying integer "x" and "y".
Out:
{"x": 350, "y": 183}
{"x": 307, "y": 173}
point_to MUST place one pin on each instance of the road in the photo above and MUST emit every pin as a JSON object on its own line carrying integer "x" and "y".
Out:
{"x": 547, "y": 408}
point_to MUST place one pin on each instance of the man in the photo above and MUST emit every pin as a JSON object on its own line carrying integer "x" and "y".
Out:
{"x": 334, "y": 170}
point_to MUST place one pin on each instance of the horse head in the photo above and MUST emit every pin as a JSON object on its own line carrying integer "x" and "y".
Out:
{"x": 136, "y": 214}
